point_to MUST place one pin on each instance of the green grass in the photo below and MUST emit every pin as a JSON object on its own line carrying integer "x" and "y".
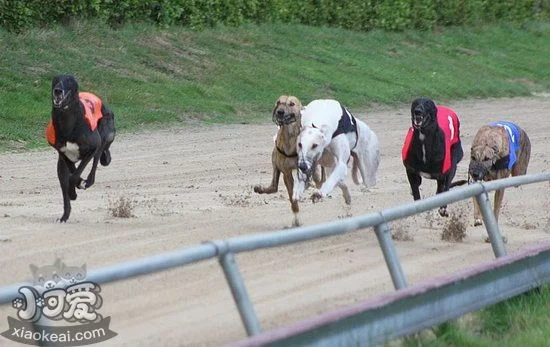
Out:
{"x": 158, "y": 76}
{"x": 521, "y": 321}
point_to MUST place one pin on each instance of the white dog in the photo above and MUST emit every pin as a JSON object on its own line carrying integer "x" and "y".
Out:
{"x": 330, "y": 135}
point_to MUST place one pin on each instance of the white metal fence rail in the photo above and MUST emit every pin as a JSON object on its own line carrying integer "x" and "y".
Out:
{"x": 225, "y": 250}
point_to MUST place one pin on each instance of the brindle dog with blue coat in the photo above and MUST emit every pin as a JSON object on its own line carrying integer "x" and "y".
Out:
{"x": 499, "y": 149}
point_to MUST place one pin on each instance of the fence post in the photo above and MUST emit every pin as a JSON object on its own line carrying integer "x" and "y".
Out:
{"x": 390, "y": 255}
{"x": 240, "y": 295}
{"x": 491, "y": 224}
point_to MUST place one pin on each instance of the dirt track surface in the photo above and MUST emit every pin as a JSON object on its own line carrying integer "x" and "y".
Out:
{"x": 194, "y": 184}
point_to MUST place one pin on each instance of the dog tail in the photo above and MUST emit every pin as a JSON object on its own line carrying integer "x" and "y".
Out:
{"x": 458, "y": 183}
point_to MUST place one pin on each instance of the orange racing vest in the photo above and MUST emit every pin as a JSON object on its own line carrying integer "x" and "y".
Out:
{"x": 92, "y": 114}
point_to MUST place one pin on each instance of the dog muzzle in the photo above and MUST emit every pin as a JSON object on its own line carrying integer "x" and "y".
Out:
{"x": 417, "y": 122}
{"x": 477, "y": 171}
{"x": 283, "y": 119}
{"x": 59, "y": 96}
{"x": 305, "y": 171}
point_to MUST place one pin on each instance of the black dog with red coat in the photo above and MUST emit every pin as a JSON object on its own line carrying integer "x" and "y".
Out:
{"x": 432, "y": 147}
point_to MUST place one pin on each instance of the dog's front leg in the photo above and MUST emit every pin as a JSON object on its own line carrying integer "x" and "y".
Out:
{"x": 299, "y": 186}
{"x": 336, "y": 177}
{"x": 415, "y": 180}
{"x": 477, "y": 214}
{"x": 337, "y": 156}
{"x": 72, "y": 170}
{"x": 63, "y": 173}
{"x": 274, "y": 183}
{"x": 499, "y": 195}
{"x": 441, "y": 184}
{"x": 289, "y": 183}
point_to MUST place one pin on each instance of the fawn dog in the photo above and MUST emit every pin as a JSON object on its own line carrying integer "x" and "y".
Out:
{"x": 284, "y": 158}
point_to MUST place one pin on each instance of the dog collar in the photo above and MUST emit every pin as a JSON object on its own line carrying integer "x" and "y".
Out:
{"x": 286, "y": 155}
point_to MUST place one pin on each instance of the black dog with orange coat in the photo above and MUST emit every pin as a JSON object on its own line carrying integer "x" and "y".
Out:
{"x": 432, "y": 147}
{"x": 81, "y": 129}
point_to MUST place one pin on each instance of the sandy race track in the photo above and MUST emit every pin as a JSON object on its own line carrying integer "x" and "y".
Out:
{"x": 192, "y": 184}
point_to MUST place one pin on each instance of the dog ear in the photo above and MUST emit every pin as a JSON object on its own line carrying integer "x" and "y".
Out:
{"x": 275, "y": 108}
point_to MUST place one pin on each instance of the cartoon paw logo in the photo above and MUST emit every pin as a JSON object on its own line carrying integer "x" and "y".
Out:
{"x": 17, "y": 303}
{"x": 40, "y": 302}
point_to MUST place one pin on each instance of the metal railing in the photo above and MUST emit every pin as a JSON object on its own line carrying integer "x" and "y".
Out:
{"x": 225, "y": 250}
{"x": 381, "y": 319}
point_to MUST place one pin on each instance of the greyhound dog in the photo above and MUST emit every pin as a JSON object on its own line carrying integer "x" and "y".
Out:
{"x": 432, "y": 147}
{"x": 284, "y": 157}
{"x": 330, "y": 135}
{"x": 81, "y": 129}
{"x": 499, "y": 149}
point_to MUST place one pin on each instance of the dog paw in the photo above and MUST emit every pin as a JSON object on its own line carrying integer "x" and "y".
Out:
{"x": 316, "y": 196}
{"x": 88, "y": 184}
{"x": 296, "y": 222}
{"x": 105, "y": 158}
{"x": 72, "y": 193}
{"x": 77, "y": 182}
{"x": 258, "y": 189}
{"x": 443, "y": 212}
{"x": 478, "y": 222}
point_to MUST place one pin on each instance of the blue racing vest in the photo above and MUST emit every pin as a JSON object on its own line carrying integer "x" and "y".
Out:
{"x": 513, "y": 139}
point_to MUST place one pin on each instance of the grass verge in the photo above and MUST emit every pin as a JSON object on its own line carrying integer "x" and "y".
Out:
{"x": 158, "y": 76}
{"x": 521, "y": 321}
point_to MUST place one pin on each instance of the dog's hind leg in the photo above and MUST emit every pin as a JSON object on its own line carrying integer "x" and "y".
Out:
{"x": 520, "y": 167}
{"x": 90, "y": 180}
{"x": 63, "y": 173}
{"x": 355, "y": 170}
{"x": 345, "y": 192}
{"x": 368, "y": 165}
{"x": 107, "y": 132}
{"x": 367, "y": 155}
